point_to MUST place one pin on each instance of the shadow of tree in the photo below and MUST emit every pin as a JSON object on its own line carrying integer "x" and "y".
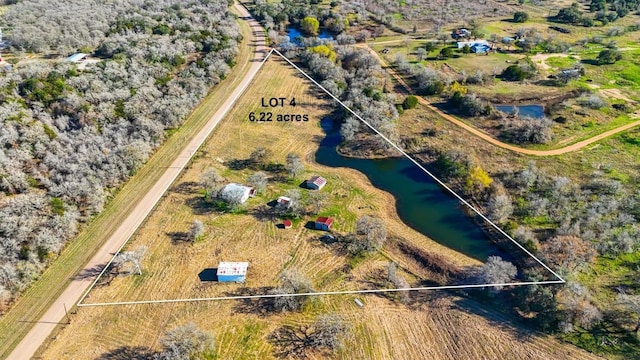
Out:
{"x": 179, "y": 237}
{"x": 94, "y": 271}
{"x": 257, "y": 306}
{"x": 186, "y": 187}
{"x": 128, "y": 353}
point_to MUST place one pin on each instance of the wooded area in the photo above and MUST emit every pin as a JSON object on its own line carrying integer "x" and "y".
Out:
{"x": 70, "y": 137}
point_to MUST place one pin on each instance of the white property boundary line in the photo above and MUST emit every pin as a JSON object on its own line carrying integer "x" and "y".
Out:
{"x": 559, "y": 280}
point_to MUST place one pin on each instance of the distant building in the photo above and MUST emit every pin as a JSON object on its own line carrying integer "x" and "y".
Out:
{"x": 77, "y": 57}
{"x": 287, "y": 224}
{"x": 232, "y": 271}
{"x": 480, "y": 48}
{"x": 323, "y": 223}
{"x": 460, "y": 33}
{"x": 284, "y": 202}
{"x": 461, "y": 44}
{"x": 233, "y": 191}
{"x": 316, "y": 183}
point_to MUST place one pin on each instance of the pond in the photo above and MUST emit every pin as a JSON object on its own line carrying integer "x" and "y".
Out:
{"x": 294, "y": 33}
{"x": 422, "y": 204}
{"x": 534, "y": 111}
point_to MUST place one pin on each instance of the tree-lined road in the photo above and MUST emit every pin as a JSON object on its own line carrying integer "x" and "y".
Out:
{"x": 55, "y": 315}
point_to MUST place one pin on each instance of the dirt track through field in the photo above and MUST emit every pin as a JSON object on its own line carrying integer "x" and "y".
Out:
{"x": 56, "y": 313}
{"x": 489, "y": 138}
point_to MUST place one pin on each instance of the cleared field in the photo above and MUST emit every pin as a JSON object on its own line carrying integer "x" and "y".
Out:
{"x": 440, "y": 328}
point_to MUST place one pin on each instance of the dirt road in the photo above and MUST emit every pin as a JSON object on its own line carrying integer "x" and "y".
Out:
{"x": 56, "y": 313}
{"x": 489, "y": 138}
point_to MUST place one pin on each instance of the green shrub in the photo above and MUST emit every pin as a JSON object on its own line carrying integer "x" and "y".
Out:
{"x": 520, "y": 17}
{"x": 410, "y": 102}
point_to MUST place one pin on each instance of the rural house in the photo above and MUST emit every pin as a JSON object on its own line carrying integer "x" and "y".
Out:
{"x": 237, "y": 191}
{"x": 324, "y": 223}
{"x": 316, "y": 183}
{"x": 232, "y": 271}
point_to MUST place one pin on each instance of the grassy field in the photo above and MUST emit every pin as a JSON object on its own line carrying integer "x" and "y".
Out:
{"x": 35, "y": 301}
{"x": 616, "y": 83}
{"x": 431, "y": 326}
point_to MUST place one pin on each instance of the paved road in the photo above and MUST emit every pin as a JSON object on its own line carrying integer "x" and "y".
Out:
{"x": 56, "y": 313}
{"x": 489, "y": 138}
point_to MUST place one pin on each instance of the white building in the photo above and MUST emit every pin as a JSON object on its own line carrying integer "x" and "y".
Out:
{"x": 236, "y": 192}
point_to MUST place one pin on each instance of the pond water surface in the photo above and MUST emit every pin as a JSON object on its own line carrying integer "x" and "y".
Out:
{"x": 422, "y": 204}
{"x": 534, "y": 111}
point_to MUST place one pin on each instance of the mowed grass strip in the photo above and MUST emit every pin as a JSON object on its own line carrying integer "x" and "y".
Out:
{"x": 33, "y": 303}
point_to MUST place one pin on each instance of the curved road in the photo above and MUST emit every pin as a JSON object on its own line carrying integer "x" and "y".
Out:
{"x": 74, "y": 292}
{"x": 489, "y": 138}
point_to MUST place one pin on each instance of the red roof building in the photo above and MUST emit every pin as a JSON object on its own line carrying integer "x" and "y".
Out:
{"x": 323, "y": 223}
{"x": 287, "y": 224}
{"x": 316, "y": 182}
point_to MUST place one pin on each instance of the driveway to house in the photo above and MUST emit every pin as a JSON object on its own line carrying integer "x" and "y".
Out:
{"x": 56, "y": 313}
{"x": 489, "y": 138}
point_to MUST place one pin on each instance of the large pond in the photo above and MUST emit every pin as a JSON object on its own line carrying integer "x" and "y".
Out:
{"x": 294, "y": 34}
{"x": 534, "y": 111}
{"x": 422, "y": 204}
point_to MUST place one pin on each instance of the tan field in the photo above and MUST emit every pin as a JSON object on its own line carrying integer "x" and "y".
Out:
{"x": 434, "y": 326}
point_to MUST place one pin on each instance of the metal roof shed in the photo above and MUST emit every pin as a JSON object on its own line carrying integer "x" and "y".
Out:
{"x": 232, "y": 271}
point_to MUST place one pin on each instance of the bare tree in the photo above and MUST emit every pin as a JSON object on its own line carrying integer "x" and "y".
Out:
{"x": 196, "y": 231}
{"x": 499, "y": 208}
{"x": 258, "y": 180}
{"x": 294, "y": 165}
{"x": 316, "y": 201}
{"x": 398, "y": 281}
{"x": 212, "y": 182}
{"x": 632, "y": 304}
{"x": 186, "y": 342}
{"x": 259, "y": 157}
{"x": 370, "y": 235}
{"x": 292, "y": 282}
{"x": 568, "y": 251}
{"x": 295, "y": 207}
{"x": 497, "y": 271}
{"x": 328, "y": 332}
{"x": 132, "y": 259}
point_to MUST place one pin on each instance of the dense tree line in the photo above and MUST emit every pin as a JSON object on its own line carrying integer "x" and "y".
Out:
{"x": 67, "y": 136}
{"x": 357, "y": 79}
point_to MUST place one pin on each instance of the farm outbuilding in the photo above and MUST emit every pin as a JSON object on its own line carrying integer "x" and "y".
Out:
{"x": 324, "y": 223}
{"x": 232, "y": 271}
{"x": 316, "y": 183}
{"x": 233, "y": 190}
{"x": 287, "y": 224}
{"x": 284, "y": 202}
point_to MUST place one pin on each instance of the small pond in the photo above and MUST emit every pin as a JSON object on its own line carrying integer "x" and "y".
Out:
{"x": 294, "y": 34}
{"x": 534, "y": 111}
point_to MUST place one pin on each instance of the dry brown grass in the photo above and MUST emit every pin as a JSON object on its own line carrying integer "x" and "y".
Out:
{"x": 383, "y": 329}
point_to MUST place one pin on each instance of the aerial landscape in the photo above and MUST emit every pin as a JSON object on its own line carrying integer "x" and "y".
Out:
{"x": 278, "y": 179}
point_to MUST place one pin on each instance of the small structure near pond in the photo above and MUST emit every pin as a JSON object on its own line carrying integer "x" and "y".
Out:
{"x": 323, "y": 223}
{"x": 232, "y": 271}
{"x": 316, "y": 183}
